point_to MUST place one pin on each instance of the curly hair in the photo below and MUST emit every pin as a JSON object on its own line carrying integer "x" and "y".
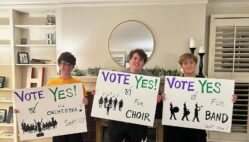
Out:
{"x": 140, "y": 52}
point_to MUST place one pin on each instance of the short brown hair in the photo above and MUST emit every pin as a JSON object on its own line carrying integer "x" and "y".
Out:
{"x": 67, "y": 57}
{"x": 140, "y": 52}
{"x": 187, "y": 56}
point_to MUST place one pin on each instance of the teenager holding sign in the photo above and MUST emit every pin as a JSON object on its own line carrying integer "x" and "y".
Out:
{"x": 117, "y": 131}
{"x": 66, "y": 63}
{"x": 188, "y": 63}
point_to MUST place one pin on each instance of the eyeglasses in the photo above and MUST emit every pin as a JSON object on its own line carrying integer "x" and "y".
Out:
{"x": 66, "y": 64}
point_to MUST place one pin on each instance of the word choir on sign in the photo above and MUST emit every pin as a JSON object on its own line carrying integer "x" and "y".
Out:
{"x": 138, "y": 115}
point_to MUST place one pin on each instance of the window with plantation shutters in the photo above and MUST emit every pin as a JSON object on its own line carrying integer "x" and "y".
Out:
{"x": 240, "y": 109}
{"x": 228, "y": 58}
{"x": 232, "y": 49}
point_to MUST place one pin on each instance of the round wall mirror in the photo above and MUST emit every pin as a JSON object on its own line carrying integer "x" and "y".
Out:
{"x": 127, "y": 36}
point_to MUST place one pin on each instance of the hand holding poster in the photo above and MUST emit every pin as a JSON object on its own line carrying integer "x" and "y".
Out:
{"x": 50, "y": 111}
{"x": 126, "y": 97}
{"x": 198, "y": 103}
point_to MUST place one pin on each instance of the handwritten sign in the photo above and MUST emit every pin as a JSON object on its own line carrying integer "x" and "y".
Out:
{"x": 50, "y": 111}
{"x": 126, "y": 97}
{"x": 199, "y": 103}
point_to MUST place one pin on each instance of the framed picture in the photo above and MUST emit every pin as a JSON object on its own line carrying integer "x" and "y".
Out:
{"x": 23, "y": 57}
{"x": 119, "y": 58}
{"x": 2, "y": 79}
{"x": 3, "y": 113}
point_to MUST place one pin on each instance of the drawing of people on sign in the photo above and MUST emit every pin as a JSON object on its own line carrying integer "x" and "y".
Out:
{"x": 173, "y": 110}
{"x": 39, "y": 126}
{"x": 197, "y": 109}
{"x": 120, "y": 105}
{"x": 109, "y": 106}
{"x": 186, "y": 112}
{"x": 115, "y": 103}
{"x": 110, "y": 103}
{"x": 105, "y": 101}
{"x": 101, "y": 101}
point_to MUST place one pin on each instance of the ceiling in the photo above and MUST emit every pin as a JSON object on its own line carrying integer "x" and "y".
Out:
{"x": 18, "y": 2}
{"x": 106, "y": 2}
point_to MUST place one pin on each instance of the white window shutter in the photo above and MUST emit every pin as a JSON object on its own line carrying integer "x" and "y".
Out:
{"x": 228, "y": 58}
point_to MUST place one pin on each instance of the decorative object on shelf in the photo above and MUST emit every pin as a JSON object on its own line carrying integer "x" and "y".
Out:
{"x": 161, "y": 72}
{"x": 50, "y": 20}
{"x": 192, "y": 45}
{"x": 3, "y": 113}
{"x": 93, "y": 71}
{"x": 50, "y": 38}
{"x": 201, "y": 54}
{"x": 35, "y": 81}
{"x": 156, "y": 71}
{"x": 78, "y": 72}
{"x": 24, "y": 40}
{"x": 2, "y": 79}
{"x": 9, "y": 118}
{"x": 23, "y": 57}
{"x": 39, "y": 61}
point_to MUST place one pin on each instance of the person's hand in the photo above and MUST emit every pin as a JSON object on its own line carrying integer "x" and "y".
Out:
{"x": 93, "y": 92}
{"x": 16, "y": 110}
{"x": 85, "y": 101}
{"x": 163, "y": 96}
{"x": 234, "y": 99}
{"x": 160, "y": 97}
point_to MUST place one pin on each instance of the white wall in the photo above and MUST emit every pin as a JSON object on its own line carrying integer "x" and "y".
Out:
{"x": 85, "y": 31}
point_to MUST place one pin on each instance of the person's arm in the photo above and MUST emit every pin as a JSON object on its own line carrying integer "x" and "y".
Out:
{"x": 85, "y": 99}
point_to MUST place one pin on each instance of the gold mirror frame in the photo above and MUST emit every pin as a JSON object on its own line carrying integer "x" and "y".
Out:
{"x": 121, "y": 57}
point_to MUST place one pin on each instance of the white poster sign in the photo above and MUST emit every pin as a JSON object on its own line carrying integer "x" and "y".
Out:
{"x": 50, "y": 111}
{"x": 126, "y": 97}
{"x": 199, "y": 103}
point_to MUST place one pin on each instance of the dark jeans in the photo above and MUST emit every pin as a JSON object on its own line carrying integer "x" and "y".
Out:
{"x": 179, "y": 134}
{"x": 69, "y": 138}
{"x": 117, "y": 131}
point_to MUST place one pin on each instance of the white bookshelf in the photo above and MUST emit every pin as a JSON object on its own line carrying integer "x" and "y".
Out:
{"x": 34, "y": 45}
{"x": 4, "y": 45}
{"x": 6, "y": 101}
{"x": 35, "y": 64}
{"x": 6, "y": 70}
{"x": 7, "y": 137}
{"x": 5, "y": 89}
{"x": 4, "y": 26}
{"x": 16, "y": 24}
{"x": 6, "y": 125}
{"x": 35, "y": 26}
{"x": 5, "y": 64}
